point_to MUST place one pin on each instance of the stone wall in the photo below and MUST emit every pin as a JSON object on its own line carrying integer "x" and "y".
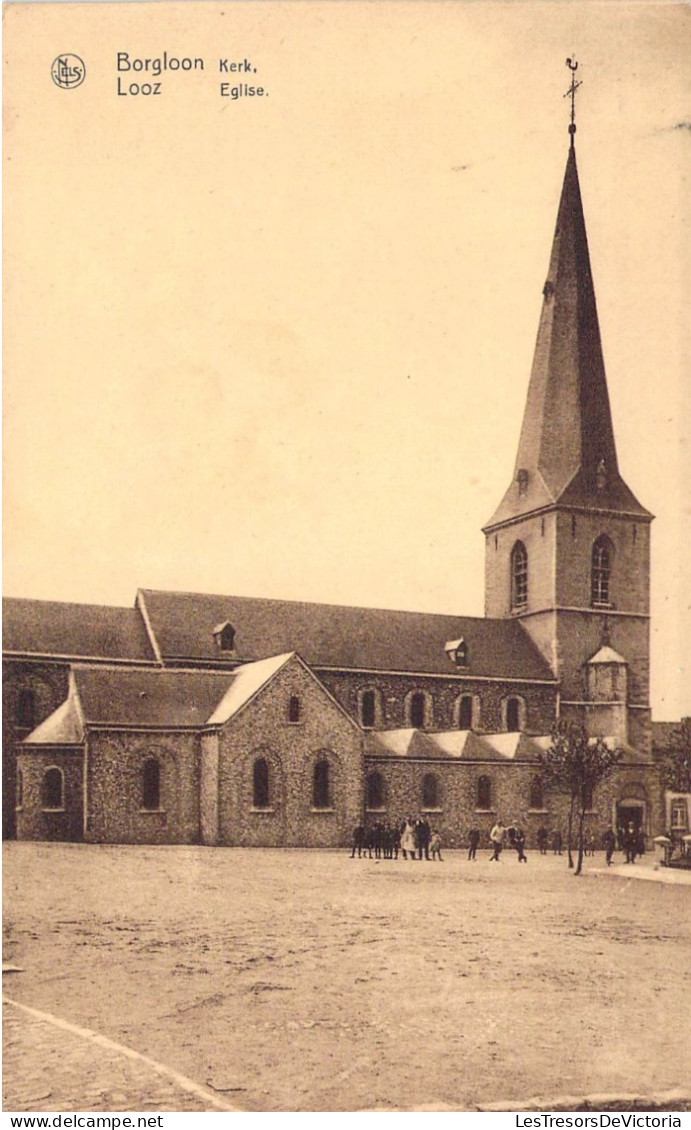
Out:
{"x": 457, "y": 810}
{"x": 444, "y": 695}
{"x": 263, "y": 731}
{"x": 35, "y": 821}
{"x": 48, "y": 683}
{"x": 115, "y": 767}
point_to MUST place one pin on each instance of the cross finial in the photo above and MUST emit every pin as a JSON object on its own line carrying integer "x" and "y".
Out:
{"x": 571, "y": 92}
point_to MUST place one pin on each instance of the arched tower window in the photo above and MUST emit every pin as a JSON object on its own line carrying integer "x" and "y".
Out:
{"x": 261, "y": 796}
{"x": 484, "y": 793}
{"x": 375, "y": 791}
{"x": 26, "y": 709}
{"x": 601, "y": 572}
{"x": 536, "y": 793}
{"x": 294, "y": 708}
{"x": 151, "y": 784}
{"x": 53, "y": 789}
{"x": 519, "y": 576}
{"x": 321, "y": 790}
{"x": 430, "y": 791}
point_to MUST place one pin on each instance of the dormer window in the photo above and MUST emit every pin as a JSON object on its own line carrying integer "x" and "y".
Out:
{"x": 522, "y": 480}
{"x": 224, "y": 635}
{"x": 457, "y": 651}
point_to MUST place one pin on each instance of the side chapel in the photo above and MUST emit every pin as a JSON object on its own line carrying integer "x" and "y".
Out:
{"x": 193, "y": 718}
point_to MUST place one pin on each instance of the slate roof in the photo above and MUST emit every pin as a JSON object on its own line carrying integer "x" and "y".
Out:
{"x": 454, "y": 745}
{"x": 567, "y": 426}
{"x": 62, "y": 727}
{"x": 78, "y": 631}
{"x": 116, "y": 696}
{"x": 337, "y": 636}
{"x": 148, "y": 696}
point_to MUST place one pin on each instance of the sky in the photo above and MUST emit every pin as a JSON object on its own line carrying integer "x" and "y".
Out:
{"x": 280, "y": 345}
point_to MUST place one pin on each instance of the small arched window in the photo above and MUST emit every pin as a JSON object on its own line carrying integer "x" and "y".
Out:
{"x": 430, "y": 791}
{"x": 19, "y": 789}
{"x": 26, "y": 709}
{"x": 519, "y": 576}
{"x": 261, "y": 796}
{"x": 484, "y": 793}
{"x": 465, "y": 712}
{"x": 513, "y": 715}
{"x": 321, "y": 790}
{"x": 601, "y": 572}
{"x": 294, "y": 708}
{"x": 417, "y": 710}
{"x": 375, "y": 791}
{"x": 151, "y": 784}
{"x": 536, "y": 793}
{"x": 52, "y": 789}
{"x": 368, "y": 709}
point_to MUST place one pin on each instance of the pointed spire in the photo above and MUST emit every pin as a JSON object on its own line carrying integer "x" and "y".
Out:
{"x": 566, "y": 451}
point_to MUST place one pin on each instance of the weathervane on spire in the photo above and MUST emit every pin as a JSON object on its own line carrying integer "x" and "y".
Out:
{"x": 573, "y": 67}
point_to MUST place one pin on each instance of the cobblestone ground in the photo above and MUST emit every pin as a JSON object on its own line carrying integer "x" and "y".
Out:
{"x": 47, "y": 1068}
{"x": 309, "y": 981}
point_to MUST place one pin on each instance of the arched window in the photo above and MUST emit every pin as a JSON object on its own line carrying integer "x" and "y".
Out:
{"x": 465, "y": 712}
{"x": 368, "y": 709}
{"x": 519, "y": 576}
{"x": 417, "y": 710}
{"x": 375, "y": 791}
{"x": 294, "y": 708}
{"x": 261, "y": 797}
{"x": 52, "y": 789}
{"x": 320, "y": 786}
{"x": 151, "y": 784}
{"x": 19, "y": 789}
{"x": 536, "y": 793}
{"x": 484, "y": 793}
{"x": 513, "y": 715}
{"x": 601, "y": 572}
{"x": 26, "y": 709}
{"x": 430, "y": 791}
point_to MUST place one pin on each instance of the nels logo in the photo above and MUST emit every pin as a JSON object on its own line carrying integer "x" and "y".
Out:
{"x": 68, "y": 71}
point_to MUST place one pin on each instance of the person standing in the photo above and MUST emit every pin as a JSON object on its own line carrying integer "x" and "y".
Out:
{"x": 497, "y": 840}
{"x": 519, "y": 844}
{"x": 408, "y": 840}
{"x": 423, "y": 836}
{"x": 609, "y": 841}
{"x": 473, "y": 841}
{"x": 542, "y": 840}
{"x": 435, "y": 846}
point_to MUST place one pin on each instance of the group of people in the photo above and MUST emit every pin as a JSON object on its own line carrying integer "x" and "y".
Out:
{"x": 415, "y": 839}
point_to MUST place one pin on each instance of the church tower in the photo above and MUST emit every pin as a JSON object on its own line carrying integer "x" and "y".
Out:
{"x": 568, "y": 549}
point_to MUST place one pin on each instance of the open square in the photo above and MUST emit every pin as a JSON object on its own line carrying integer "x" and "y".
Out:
{"x": 305, "y": 980}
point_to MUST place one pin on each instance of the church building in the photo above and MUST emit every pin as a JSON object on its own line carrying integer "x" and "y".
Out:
{"x": 222, "y": 720}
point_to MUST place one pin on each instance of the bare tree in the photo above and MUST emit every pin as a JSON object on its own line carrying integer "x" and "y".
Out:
{"x": 575, "y": 764}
